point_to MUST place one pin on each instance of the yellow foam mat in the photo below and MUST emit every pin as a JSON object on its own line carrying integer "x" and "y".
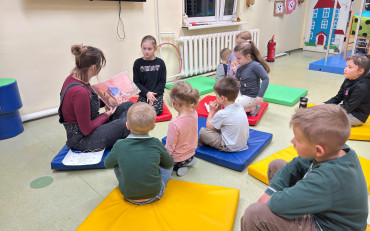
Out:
{"x": 357, "y": 133}
{"x": 361, "y": 132}
{"x": 184, "y": 206}
{"x": 259, "y": 170}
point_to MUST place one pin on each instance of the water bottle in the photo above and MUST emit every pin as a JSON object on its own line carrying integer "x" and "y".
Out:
{"x": 303, "y": 102}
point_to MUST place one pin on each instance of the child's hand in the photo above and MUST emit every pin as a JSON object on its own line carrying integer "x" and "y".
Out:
{"x": 110, "y": 111}
{"x": 264, "y": 198}
{"x": 258, "y": 100}
{"x": 150, "y": 96}
{"x": 213, "y": 106}
{"x": 151, "y": 102}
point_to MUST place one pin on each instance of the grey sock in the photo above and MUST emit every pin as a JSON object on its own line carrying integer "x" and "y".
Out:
{"x": 182, "y": 171}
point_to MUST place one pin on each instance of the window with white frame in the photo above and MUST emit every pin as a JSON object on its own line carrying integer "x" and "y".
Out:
{"x": 337, "y": 14}
{"x": 314, "y": 13}
{"x": 333, "y": 40}
{"x": 324, "y": 24}
{"x": 335, "y": 23}
{"x": 311, "y": 35}
{"x": 198, "y": 11}
{"x": 313, "y": 25}
{"x": 325, "y": 12}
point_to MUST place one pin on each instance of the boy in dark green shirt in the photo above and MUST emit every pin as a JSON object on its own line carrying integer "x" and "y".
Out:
{"x": 141, "y": 163}
{"x": 322, "y": 189}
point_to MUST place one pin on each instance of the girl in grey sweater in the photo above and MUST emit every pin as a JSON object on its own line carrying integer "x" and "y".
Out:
{"x": 253, "y": 68}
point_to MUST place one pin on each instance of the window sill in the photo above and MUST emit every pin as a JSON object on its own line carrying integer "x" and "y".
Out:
{"x": 213, "y": 25}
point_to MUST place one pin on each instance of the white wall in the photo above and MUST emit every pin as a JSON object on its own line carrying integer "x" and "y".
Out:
{"x": 287, "y": 29}
{"x": 36, "y": 36}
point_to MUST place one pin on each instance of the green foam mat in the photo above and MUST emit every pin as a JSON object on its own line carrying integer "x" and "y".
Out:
{"x": 283, "y": 95}
{"x": 202, "y": 83}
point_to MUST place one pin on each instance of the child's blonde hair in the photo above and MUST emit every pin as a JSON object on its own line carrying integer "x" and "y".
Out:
{"x": 225, "y": 54}
{"x": 183, "y": 94}
{"x": 141, "y": 118}
{"x": 227, "y": 87}
{"x": 245, "y": 35}
{"x": 326, "y": 125}
{"x": 250, "y": 48}
{"x": 362, "y": 61}
{"x": 149, "y": 38}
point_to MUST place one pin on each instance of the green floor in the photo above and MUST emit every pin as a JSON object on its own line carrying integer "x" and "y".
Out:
{"x": 72, "y": 195}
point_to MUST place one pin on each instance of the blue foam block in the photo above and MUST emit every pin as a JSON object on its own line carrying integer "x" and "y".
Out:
{"x": 10, "y": 100}
{"x": 57, "y": 163}
{"x": 234, "y": 160}
{"x": 10, "y": 124}
{"x": 335, "y": 64}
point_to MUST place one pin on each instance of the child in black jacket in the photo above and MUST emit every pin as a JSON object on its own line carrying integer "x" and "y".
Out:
{"x": 355, "y": 90}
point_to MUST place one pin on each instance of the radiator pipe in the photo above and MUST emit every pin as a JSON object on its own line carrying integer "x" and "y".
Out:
{"x": 40, "y": 114}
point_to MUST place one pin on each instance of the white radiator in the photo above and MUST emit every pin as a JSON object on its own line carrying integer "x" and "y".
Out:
{"x": 201, "y": 53}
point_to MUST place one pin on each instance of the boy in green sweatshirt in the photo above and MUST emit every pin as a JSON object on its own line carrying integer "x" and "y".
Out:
{"x": 141, "y": 163}
{"x": 324, "y": 188}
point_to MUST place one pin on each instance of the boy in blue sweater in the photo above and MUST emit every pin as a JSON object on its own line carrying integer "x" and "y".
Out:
{"x": 323, "y": 188}
{"x": 141, "y": 163}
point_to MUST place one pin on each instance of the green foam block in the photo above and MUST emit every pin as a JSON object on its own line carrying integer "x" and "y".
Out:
{"x": 202, "y": 83}
{"x": 283, "y": 95}
{"x": 364, "y": 30}
{"x": 6, "y": 81}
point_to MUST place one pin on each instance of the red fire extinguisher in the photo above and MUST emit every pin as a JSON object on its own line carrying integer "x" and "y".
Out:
{"x": 271, "y": 47}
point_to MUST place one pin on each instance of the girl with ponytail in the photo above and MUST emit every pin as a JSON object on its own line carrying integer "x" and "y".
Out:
{"x": 252, "y": 69}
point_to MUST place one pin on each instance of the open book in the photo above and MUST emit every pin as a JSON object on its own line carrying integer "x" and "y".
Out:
{"x": 76, "y": 158}
{"x": 116, "y": 90}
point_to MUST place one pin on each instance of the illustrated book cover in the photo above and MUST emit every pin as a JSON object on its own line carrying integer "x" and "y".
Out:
{"x": 116, "y": 90}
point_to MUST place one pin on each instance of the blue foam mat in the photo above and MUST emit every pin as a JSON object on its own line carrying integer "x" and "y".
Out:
{"x": 57, "y": 163}
{"x": 234, "y": 160}
{"x": 335, "y": 64}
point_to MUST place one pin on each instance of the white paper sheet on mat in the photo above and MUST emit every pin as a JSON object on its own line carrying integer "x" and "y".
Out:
{"x": 82, "y": 158}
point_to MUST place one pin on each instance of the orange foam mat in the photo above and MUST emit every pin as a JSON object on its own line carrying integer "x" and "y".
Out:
{"x": 184, "y": 206}
{"x": 259, "y": 170}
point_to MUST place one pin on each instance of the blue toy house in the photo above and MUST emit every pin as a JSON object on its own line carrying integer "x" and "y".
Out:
{"x": 321, "y": 21}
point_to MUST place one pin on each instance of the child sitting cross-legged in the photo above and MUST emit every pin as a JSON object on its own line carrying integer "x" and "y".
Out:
{"x": 141, "y": 163}
{"x": 228, "y": 129}
{"x": 324, "y": 188}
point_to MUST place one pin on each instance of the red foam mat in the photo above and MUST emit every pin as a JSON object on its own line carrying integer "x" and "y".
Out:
{"x": 253, "y": 120}
{"x": 166, "y": 114}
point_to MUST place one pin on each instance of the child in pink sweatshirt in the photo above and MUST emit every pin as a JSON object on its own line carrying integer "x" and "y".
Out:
{"x": 182, "y": 135}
